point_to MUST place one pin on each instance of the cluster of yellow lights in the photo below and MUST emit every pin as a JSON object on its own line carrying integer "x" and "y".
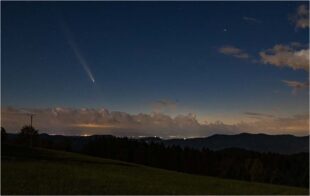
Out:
{"x": 90, "y": 125}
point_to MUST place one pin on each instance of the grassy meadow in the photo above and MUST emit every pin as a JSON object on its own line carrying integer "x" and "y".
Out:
{"x": 42, "y": 171}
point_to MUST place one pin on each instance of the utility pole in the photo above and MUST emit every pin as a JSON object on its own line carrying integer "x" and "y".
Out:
{"x": 31, "y": 136}
{"x": 31, "y": 116}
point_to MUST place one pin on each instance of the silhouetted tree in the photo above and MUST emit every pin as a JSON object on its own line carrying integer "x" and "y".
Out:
{"x": 29, "y": 136}
{"x": 4, "y": 135}
{"x": 256, "y": 170}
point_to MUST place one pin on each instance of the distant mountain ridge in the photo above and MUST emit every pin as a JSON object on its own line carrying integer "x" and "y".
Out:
{"x": 283, "y": 144}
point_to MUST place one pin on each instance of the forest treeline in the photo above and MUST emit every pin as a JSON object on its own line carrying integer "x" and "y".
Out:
{"x": 232, "y": 163}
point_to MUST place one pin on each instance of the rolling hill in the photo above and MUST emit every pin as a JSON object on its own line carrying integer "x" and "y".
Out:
{"x": 42, "y": 171}
{"x": 283, "y": 144}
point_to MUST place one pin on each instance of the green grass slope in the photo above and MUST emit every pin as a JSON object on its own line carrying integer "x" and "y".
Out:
{"x": 42, "y": 171}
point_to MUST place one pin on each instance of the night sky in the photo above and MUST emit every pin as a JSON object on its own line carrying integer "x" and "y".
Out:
{"x": 224, "y": 67}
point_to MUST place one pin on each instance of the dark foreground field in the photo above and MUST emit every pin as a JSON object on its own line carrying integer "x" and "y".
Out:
{"x": 41, "y": 171}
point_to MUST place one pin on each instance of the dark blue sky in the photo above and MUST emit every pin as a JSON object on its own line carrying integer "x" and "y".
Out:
{"x": 142, "y": 52}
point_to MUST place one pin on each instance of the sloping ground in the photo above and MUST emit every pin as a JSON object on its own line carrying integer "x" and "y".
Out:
{"x": 41, "y": 171}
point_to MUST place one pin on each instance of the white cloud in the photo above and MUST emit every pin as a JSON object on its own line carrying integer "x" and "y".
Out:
{"x": 294, "y": 56}
{"x": 233, "y": 51}
{"x": 258, "y": 115}
{"x": 296, "y": 85}
{"x": 164, "y": 104}
{"x": 301, "y": 17}
{"x": 297, "y": 124}
{"x": 251, "y": 19}
{"x": 71, "y": 121}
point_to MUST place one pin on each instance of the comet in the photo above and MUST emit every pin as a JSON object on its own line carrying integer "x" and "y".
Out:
{"x": 76, "y": 51}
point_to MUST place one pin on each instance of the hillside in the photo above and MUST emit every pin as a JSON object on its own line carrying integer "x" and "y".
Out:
{"x": 42, "y": 171}
{"x": 283, "y": 144}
